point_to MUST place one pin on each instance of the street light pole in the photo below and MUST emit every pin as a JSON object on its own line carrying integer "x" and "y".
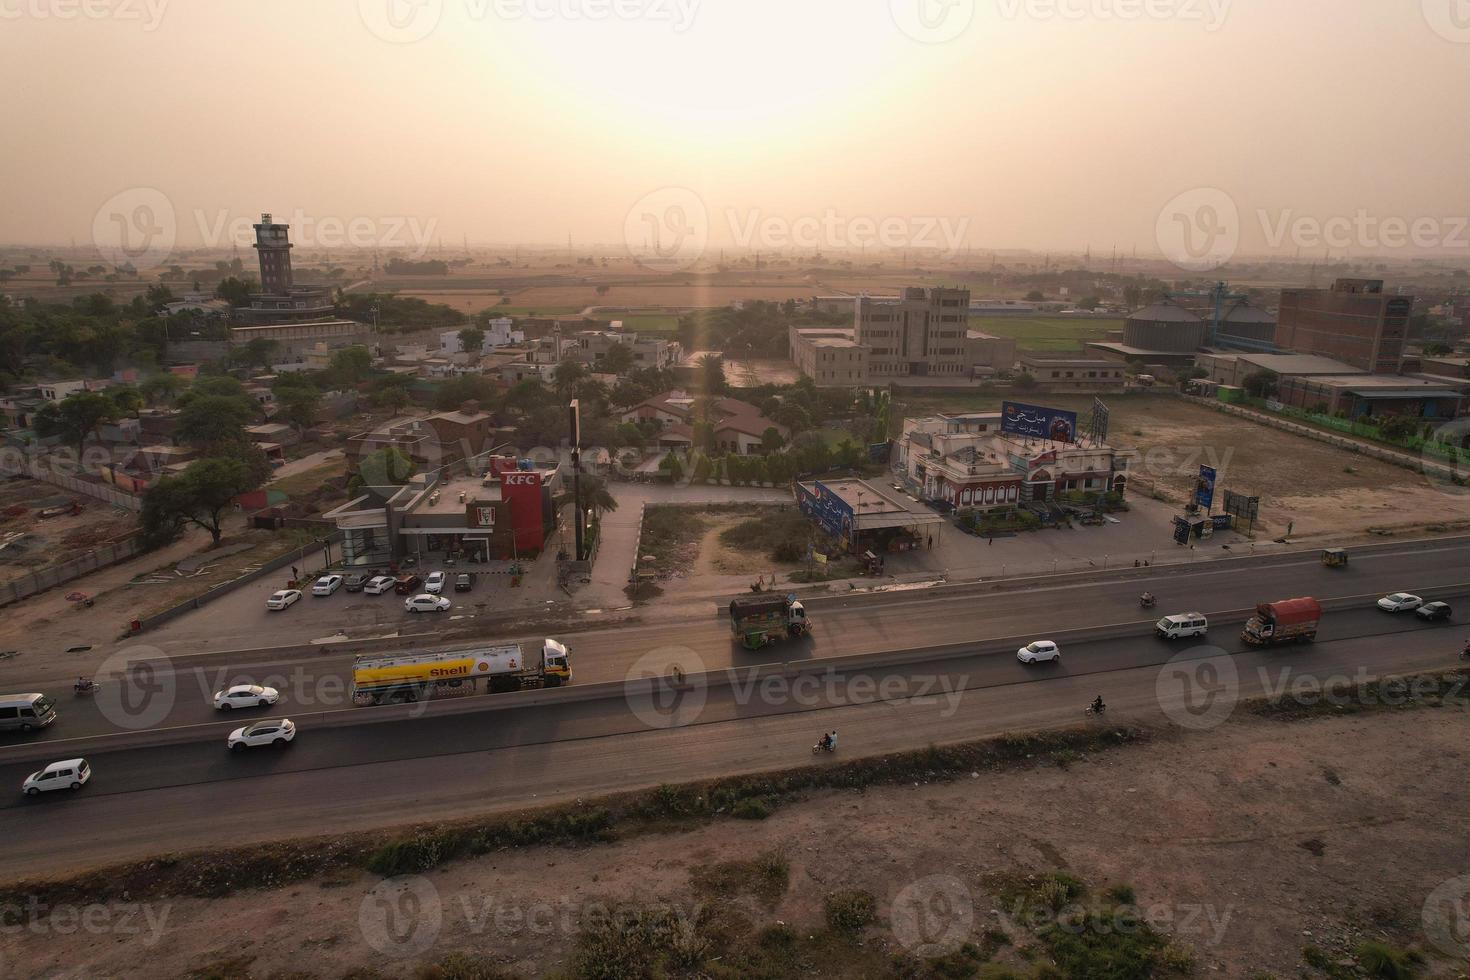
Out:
{"x": 575, "y": 433}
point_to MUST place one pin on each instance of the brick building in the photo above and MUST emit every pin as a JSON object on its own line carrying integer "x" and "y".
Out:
{"x": 1354, "y": 321}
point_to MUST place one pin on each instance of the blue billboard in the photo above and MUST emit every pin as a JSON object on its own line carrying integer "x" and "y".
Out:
{"x": 826, "y": 508}
{"x": 1204, "y": 490}
{"x": 1035, "y": 422}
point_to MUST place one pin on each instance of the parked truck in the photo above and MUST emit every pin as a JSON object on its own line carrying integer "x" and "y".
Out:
{"x": 413, "y": 676}
{"x": 765, "y": 618}
{"x": 1290, "y": 620}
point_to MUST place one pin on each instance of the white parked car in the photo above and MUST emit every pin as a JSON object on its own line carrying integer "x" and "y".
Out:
{"x": 71, "y": 774}
{"x": 284, "y": 599}
{"x": 435, "y": 583}
{"x": 278, "y": 732}
{"x": 1039, "y": 650}
{"x": 1400, "y": 602}
{"x": 245, "y": 696}
{"x": 326, "y": 585}
{"x": 379, "y": 584}
{"x": 426, "y": 603}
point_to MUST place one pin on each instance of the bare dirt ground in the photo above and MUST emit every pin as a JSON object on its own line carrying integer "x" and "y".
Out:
{"x": 52, "y": 539}
{"x": 1322, "y": 491}
{"x": 1244, "y": 846}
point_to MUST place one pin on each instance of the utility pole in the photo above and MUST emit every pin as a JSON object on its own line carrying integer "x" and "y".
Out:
{"x": 574, "y": 420}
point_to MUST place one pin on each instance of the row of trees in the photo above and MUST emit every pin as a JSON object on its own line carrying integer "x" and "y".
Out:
{"x": 810, "y": 453}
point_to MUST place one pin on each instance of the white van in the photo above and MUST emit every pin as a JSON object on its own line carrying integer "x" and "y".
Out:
{"x": 1183, "y": 625}
{"x": 25, "y": 712}
{"x": 71, "y": 774}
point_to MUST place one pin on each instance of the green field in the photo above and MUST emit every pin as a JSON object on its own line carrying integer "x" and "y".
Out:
{"x": 1057, "y": 333}
{"x": 646, "y": 322}
{"x": 530, "y": 310}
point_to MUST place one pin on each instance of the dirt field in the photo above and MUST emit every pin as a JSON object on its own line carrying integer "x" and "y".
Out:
{"x": 35, "y": 542}
{"x": 1321, "y": 491}
{"x": 1244, "y": 848}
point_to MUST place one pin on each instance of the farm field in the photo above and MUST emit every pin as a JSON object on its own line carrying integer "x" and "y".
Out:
{"x": 1056, "y": 334}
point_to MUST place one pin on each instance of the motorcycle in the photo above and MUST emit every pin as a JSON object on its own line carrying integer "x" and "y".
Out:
{"x": 824, "y": 746}
{"x": 84, "y": 689}
{"x": 1093, "y": 709}
{"x": 1147, "y": 601}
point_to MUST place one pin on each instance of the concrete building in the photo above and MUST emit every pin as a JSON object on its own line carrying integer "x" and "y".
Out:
{"x": 1232, "y": 368}
{"x": 967, "y": 462}
{"x": 280, "y": 298}
{"x": 589, "y": 347}
{"x": 295, "y": 339}
{"x": 1071, "y": 372}
{"x": 1361, "y": 395}
{"x": 989, "y": 354}
{"x": 862, "y": 516}
{"x": 922, "y": 333}
{"x": 499, "y": 332}
{"x": 1354, "y": 321}
{"x": 430, "y": 441}
{"x": 829, "y": 356}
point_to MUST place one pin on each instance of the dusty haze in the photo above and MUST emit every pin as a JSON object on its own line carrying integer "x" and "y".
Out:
{"x": 1038, "y": 124}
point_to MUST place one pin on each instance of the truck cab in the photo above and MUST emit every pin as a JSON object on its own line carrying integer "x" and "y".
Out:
{"x": 556, "y": 663}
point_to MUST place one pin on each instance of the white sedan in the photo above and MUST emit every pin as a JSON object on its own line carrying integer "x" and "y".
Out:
{"x": 326, "y": 585}
{"x": 426, "y": 603}
{"x": 1039, "y": 650}
{"x": 379, "y": 584}
{"x": 284, "y": 599}
{"x": 279, "y": 733}
{"x": 245, "y": 696}
{"x": 1400, "y": 602}
{"x": 435, "y": 583}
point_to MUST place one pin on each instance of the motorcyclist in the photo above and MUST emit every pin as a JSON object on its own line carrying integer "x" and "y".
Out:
{"x": 83, "y": 684}
{"x": 1147, "y": 599}
{"x": 832, "y": 741}
{"x": 1097, "y": 705}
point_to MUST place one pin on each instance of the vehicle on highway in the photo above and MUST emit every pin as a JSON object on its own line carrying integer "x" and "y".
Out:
{"x": 412, "y": 676}
{"x": 1400, "y": 602}
{"x": 434, "y": 584}
{"x": 26, "y": 712}
{"x": 70, "y": 774}
{"x": 1039, "y": 650}
{"x": 1182, "y": 625}
{"x": 379, "y": 584}
{"x": 1433, "y": 611}
{"x": 278, "y": 732}
{"x": 1283, "y": 622}
{"x": 245, "y": 696}
{"x": 355, "y": 583}
{"x": 758, "y": 620}
{"x": 426, "y": 603}
{"x": 408, "y": 584}
{"x": 326, "y": 585}
{"x": 464, "y": 582}
{"x": 283, "y": 599}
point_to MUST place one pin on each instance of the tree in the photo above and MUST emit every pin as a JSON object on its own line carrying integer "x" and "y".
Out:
{"x": 214, "y": 422}
{"x": 595, "y": 495}
{"x": 257, "y": 352}
{"x": 235, "y": 291}
{"x": 630, "y": 436}
{"x": 350, "y": 365}
{"x": 472, "y": 340}
{"x": 1437, "y": 348}
{"x": 382, "y": 472}
{"x": 158, "y": 388}
{"x": 603, "y": 290}
{"x": 1025, "y": 380}
{"x": 1035, "y": 296}
{"x": 1399, "y": 427}
{"x": 391, "y": 392}
{"x": 200, "y": 496}
{"x": 712, "y": 375}
{"x": 1260, "y": 384}
{"x": 772, "y": 440}
{"x": 618, "y": 360}
{"x": 126, "y": 400}
{"x": 465, "y": 388}
{"x": 567, "y": 376}
{"x": 75, "y": 418}
{"x": 299, "y": 405}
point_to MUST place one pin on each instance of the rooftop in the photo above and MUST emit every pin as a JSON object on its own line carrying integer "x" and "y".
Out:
{"x": 453, "y": 496}
{"x": 1299, "y": 364}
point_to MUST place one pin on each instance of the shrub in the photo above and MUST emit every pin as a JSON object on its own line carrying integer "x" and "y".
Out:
{"x": 755, "y": 808}
{"x": 1389, "y": 963}
{"x": 849, "y": 911}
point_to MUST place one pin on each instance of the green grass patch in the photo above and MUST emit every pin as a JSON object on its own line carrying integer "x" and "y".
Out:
{"x": 764, "y": 878}
{"x": 1047, "y": 333}
{"x": 849, "y": 911}
{"x": 1389, "y": 962}
{"x": 647, "y": 322}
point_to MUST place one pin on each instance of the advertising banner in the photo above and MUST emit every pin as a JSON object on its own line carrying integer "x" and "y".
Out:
{"x": 1204, "y": 491}
{"x": 1035, "y": 422}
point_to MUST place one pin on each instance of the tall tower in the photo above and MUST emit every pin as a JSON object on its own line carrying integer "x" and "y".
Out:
{"x": 273, "y": 243}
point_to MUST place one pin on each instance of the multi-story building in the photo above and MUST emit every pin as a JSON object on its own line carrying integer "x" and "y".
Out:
{"x": 922, "y": 333}
{"x": 280, "y": 298}
{"x": 589, "y": 347}
{"x": 294, "y": 340}
{"x": 1354, "y": 321}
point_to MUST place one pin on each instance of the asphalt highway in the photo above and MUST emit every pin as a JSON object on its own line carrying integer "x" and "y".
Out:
{"x": 373, "y": 774}
{"x": 179, "y": 691}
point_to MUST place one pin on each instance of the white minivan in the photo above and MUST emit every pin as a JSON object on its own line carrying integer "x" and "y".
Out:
{"x": 26, "y": 711}
{"x": 1182, "y": 626}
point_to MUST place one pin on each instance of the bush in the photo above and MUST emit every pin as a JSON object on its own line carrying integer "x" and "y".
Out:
{"x": 755, "y": 808}
{"x": 849, "y": 911}
{"x": 1385, "y": 961}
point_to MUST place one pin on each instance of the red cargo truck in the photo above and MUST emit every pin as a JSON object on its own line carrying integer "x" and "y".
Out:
{"x": 1283, "y": 622}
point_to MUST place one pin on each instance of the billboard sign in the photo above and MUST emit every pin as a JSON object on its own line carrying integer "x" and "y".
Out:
{"x": 1204, "y": 491}
{"x": 1222, "y": 521}
{"x": 1035, "y": 422}
{"x": 828, "y": 509}
{"x": 1181, "y": 530}
{"x": 1246, "y": 508}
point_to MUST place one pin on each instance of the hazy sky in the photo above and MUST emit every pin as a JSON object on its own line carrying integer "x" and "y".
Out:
{"x": 988, "y": 123}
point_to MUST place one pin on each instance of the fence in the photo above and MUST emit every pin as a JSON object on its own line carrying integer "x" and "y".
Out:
{"x": 100, "y": 491}
{"x": 158, "y": 619}
{"x": 1442, "y": 451}
{"x": 637, "y": 545}
{"x": 54, "y": 575}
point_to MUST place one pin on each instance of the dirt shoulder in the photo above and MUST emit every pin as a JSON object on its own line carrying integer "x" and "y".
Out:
{"x": 1253, "y": 850}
